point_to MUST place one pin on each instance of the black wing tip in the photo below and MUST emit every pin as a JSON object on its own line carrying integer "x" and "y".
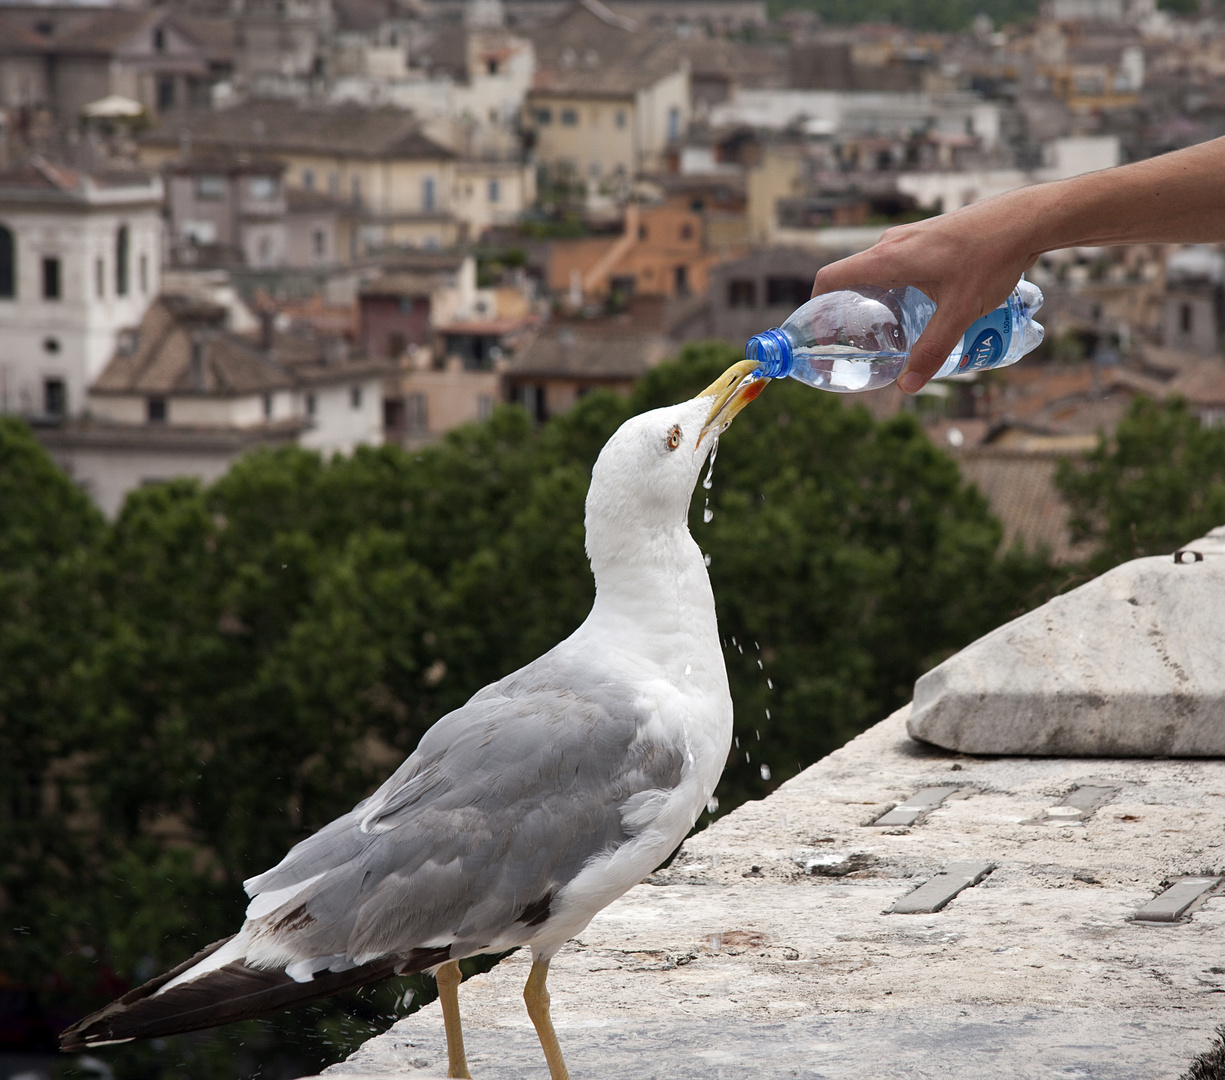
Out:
{"x": 224, "y": 995}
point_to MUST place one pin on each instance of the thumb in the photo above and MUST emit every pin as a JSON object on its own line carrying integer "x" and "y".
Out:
{"x": 942, "y": 335}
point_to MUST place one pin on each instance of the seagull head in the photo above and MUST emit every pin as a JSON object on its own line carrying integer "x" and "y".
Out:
{"x": 644, "y": 477}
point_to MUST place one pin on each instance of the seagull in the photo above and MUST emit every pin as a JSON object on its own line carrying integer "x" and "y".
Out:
{"x": 524, "y": 812}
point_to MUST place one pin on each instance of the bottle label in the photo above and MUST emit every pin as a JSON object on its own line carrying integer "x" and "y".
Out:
{"x": 988, "y": 340}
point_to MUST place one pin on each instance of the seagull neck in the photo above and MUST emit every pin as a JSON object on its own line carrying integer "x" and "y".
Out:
{"x": 655, "y": 585}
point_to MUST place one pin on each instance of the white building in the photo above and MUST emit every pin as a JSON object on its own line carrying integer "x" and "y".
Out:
{"x": 185, "y": 395}
{"x": 80, "y": 258}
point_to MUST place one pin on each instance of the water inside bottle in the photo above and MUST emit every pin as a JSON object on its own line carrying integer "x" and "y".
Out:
{"x": 845, "y": 369}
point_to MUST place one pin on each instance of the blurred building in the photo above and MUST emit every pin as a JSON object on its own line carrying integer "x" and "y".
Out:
{"x": 62, "y": 58}
{"x": 184, "y": 395}
{"x": 80, "y": 260}
{"x": 610, "y": 95}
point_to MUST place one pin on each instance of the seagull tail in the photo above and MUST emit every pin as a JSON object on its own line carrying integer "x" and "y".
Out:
{"x": 223, "y": 995}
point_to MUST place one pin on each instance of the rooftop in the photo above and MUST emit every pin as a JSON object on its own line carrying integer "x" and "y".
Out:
{"x": 184, "y": 348}
{"x": 285, "y": 126}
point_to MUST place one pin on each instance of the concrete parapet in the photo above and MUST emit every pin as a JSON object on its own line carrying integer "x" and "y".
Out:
{"x": 1077, "y": 931}
{"x": 1130, "y": 664}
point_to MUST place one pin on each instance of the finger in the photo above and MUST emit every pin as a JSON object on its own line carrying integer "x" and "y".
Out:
{"x": 942, "y": 335}
{"x": 843, "y": 274}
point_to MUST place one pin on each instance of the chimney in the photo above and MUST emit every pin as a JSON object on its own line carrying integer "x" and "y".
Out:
{"x": 267, "y": 327}
{"x": 196, "y": 368}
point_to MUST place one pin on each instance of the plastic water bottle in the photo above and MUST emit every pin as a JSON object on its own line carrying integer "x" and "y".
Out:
{"x": 858, "y": 339}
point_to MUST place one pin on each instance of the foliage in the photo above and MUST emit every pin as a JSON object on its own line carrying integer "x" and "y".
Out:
{"x": 945, "y": 15}
{"x": 223, "y": 670}
{"x": 1157, "y": 483}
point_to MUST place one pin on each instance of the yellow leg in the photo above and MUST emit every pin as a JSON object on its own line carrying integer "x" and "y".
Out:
{"x": 537, "y": 997}
{"x": 448, "y": 978}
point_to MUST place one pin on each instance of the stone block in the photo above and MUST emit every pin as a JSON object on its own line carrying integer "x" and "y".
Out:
{"x": 1131, "y": 664}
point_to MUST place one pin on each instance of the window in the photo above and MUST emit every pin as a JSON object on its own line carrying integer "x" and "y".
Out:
{"x": 484, "y": 406}
{"x": 355, "y": 186}
{"x": 121, "y": 261}
{"x": 680, "y": 278}
{"x": 100, "y": 278}
{"x": 674, "y": 123}
{"x": 428, "y": 189}
{"x": 210, "y": 187}
{"x": 55, "y": 397}
{"x": 159, "y": 40}
{"x": 620, "y": 118}
{"x": 51, "y": 345}
{"x": 495, "y": 191}
{"x": 165, "y": 93}
{"x": 262, "y": 187}
{"x": 333, "y": 184}
{"x": 741, "y": 293}
{"x": 265, "y": 250}
{"x": 788, "y": 292}
{"x": 491, "y": 66}
{"x": 686, "y": 231}
{"x": 569, "y": 117}
{"x": 8, "y": 264}
{"x": 642, "y": 232}
{"x": 1186, "y": 318}
{"x": 355, "y": 397}
{"x": 543, "y": 116}
{"x": 319, "y": 243}
{"x": 267, "y": 406}
{"x": 308, "y": 179}
{"x": 155, "y": 410}
{"x": 311, "y": 405}
{"x": 144, "y": 274}
{"x": 51, "y": 278}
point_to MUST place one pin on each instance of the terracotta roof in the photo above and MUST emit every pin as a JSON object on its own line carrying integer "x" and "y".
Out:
{"x": 184, "y": 348}
{"x": 1020, "y": 486}
{"x": 280, "y": 126}
{"x": 589, "y": 50}
{"x": 566, "y": 351}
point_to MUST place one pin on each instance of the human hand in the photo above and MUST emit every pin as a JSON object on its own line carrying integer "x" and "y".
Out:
{"x": 967, "y": 262}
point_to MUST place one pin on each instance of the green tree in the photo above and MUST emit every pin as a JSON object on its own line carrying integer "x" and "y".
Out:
{"x": 255, "y": 656}
{"x": 1158, "y": 482}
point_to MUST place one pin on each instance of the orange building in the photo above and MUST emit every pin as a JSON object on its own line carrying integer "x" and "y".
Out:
{"x": 663, "y": 250}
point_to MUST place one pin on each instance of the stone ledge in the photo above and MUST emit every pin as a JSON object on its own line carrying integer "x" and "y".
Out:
{"x": 753, "y": 955}
{"x": 1130, "y": 664}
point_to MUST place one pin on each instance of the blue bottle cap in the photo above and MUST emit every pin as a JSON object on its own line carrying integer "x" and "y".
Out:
{"x": 772, "y": 350}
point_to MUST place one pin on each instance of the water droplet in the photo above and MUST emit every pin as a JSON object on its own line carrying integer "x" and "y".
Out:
{"x": 706, "y": 560}
{"x": 708, "y": 515}
{"x": 756, "y": 646}
{"x": 760, "y": 665}
{"x": 757, "y": 733}
{"x": 688, "y": 670}
{"x": 770, "y": 683}
{"x": 765, "y": 772}
{"x": 710, "y": 470}
{"x": 741, "y": 648}
{"x": 733, "y": 639}
{"x": 736, "y": 740}
{"x": 747, "y": 759}
{"x": 712, "y": 804}
{"x": 767, "y": 714}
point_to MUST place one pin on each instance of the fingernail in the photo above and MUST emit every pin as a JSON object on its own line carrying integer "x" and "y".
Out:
{"x": 911, "y": 382}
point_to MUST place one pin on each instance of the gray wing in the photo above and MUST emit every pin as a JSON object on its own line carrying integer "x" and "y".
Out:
{"x": 502, "y": 804}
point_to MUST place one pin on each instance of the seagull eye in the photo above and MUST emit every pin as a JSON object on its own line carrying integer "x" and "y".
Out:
{"x": 674, "y": 437}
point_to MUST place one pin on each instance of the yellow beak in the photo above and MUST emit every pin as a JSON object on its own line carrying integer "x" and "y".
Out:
{"x": 731, "y": 391}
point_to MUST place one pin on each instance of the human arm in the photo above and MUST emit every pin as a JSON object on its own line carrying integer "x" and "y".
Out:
{"x": 969, "y": 260}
